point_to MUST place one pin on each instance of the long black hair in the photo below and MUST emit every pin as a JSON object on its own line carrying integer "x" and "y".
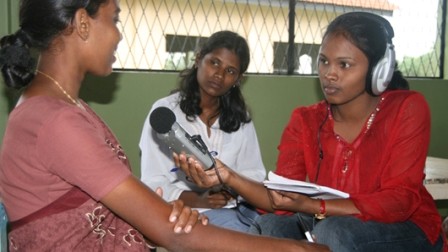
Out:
{"x": 232, "y": 107}
{"x": 40, "y": 22}
{"x": 370, "y": 33}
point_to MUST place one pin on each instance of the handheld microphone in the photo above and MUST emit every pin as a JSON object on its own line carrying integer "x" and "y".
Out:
{"x": 163, "y": 121}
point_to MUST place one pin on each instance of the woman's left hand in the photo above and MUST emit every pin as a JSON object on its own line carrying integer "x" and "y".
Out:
{"x": 289, "y": 201}
{"x": 183, "y": 217}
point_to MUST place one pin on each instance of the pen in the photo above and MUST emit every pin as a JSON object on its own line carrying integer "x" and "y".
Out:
{"x": 175, "y": 169}
{"x": 308, "y": 236}
{"x": 304, "y": 228}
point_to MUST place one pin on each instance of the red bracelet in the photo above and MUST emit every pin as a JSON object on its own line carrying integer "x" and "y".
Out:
{"x": 322, "y": 211}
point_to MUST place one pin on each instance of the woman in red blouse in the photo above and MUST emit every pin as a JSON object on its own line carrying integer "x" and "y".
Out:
{"x": 369, "y": 138}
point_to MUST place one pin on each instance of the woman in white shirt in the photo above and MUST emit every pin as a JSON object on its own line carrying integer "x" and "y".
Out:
{"x": 209, "y": 103}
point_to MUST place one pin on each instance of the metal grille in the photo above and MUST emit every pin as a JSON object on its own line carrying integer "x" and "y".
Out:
{"x": 284, "y": 36}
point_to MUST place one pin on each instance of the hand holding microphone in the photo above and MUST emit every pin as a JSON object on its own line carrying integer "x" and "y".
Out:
{"x": 163, "y": 121}
{"x": 213, "y": 178}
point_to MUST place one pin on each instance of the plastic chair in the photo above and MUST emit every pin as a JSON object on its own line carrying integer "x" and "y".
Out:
{"x": 3, "y": 229}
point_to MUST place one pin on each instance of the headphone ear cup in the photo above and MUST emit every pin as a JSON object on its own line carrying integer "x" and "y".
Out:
{"x": 383, "y": 71}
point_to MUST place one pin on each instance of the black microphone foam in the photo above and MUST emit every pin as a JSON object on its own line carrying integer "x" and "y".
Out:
{"x": 162, "y": 119}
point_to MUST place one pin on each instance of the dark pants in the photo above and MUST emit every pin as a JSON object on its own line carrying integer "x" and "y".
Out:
{"x": 347, "y": 233}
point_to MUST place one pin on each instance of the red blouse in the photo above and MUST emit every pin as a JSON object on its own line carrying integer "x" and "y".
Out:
{"x": 382, "y": 169}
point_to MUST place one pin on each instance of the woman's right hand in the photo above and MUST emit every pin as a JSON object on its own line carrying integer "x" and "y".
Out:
{"x": 195, "y": 172}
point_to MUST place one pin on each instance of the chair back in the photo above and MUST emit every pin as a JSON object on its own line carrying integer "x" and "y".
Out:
{"x": 3, "y": 229}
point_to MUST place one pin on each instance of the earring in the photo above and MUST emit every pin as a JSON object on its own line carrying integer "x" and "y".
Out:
{"x": 85, "y": 35}
{"x": 84, "y": 29}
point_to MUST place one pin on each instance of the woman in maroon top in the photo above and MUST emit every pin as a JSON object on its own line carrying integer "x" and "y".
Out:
{"x": 64, "y": 179}
{"x": 369, "y": 138}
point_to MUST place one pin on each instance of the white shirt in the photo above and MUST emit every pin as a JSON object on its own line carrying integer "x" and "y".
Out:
{"x": 238, "y": 150}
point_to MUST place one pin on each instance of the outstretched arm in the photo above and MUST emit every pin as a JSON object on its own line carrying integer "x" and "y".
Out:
{"x": 258, "y": 195}
{"x": 252, "y": 191}
{"x": 149, "y": 214}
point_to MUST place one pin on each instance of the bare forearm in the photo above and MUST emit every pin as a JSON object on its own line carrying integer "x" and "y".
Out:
{"x": 341, "y": 207}
{"x": 252, "y": 191}
{"x": 332, "y": 207}
{"x": 210, "y": 238}
{"x": 141, "y": 208}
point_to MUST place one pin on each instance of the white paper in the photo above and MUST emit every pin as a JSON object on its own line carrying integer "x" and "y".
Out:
{"x": 277, "y": 182}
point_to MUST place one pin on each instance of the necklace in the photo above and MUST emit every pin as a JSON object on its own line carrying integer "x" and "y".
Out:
{"x": 76, "y": 102}
{"x": 373, "y": 115}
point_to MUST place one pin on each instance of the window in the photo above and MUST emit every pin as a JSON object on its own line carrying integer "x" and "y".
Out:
{"x": 181, "y": 51}
{"x": 304, "y": 58}
{"x": 163, "y": 35}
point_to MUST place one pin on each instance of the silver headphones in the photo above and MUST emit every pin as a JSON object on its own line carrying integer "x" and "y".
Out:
{"x": 383, "y": 71}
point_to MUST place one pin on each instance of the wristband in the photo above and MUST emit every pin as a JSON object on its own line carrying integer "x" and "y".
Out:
{"x": 322, "y": 211}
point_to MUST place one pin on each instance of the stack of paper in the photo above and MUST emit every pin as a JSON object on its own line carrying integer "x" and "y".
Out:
{"x": 277, "y": 182}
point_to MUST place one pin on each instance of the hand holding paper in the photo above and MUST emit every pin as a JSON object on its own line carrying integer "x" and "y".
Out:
{"x": 277, "y": 182}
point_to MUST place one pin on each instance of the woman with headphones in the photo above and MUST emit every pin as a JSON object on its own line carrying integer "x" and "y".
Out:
{"x": 369, "y": 137}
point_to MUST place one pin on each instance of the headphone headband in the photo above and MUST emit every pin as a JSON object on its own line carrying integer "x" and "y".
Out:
{"x": 384, "y": 23}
